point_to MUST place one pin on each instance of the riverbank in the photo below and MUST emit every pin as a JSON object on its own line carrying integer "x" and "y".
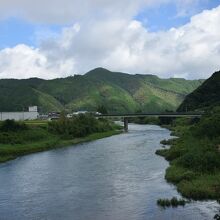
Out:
{"x": 36, "y": 137}
{"x": 11, "y": 152}
{"x": 15, "y": 151}
{"x": 195, "y": 157}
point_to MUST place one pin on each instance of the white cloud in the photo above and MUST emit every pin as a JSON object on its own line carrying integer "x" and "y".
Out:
{"x": 25, "y": 62}
{"x": 67, "y": 11}
{"x": 121, "y": 44}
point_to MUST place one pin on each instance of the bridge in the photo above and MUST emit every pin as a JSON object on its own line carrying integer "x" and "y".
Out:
{"x": 126, "y": 116}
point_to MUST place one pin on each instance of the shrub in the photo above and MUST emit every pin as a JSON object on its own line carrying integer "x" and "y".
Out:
{"x": 182, "y": 121}
{"x": 26, "y": 136}
{"x": 209, "y": 125}
{"x": 102, "y": 109}
{"x": 200, "y": 161}
{"x": 217, "y": 217}
{"x": 174, "y": 202}
{"x": 177, "y": 174}
{"x": 79, "y": 126}
{"x": 10, "y": 138}
{"x": 145, "y": 120}
{"x": 162, "y": 152}
{"x": 168, "y": 142}
{"x": 12, "y": 125}
{"x": 163, "y": 202}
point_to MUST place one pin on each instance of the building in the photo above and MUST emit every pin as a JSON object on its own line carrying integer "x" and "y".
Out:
{"x": 20, "y": 116}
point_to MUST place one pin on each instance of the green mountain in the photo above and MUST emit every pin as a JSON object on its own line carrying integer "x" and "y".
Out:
{"x": 205, "y": 96}
{"x": 118, "y": 92}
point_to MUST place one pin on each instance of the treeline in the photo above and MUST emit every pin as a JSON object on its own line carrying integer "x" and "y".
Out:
{"x": 79, "y": 126}
{"x": 145, "y": 120}
{"x": 12, "y": 132}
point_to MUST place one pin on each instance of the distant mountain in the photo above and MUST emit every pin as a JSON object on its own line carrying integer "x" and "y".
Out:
{"x": 118, "y": 92}
{"x": 205, "y": 96}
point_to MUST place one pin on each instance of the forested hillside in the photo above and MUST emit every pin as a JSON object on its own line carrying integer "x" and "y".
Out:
{"x": 118, "y": 92}
{"x": 205, "y": 96}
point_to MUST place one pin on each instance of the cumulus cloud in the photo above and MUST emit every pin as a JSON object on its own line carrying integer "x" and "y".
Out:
{"x": 23, "y": 61}
{"x": 121, "y": 44}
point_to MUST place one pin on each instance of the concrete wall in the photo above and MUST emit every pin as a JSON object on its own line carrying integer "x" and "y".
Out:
{"x": 18, "y": 115}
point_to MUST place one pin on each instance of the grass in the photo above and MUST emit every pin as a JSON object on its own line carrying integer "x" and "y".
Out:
{"x": 176, "y": 174}
{"x": 36, "y": 122}
{"x": 203, "y": 187}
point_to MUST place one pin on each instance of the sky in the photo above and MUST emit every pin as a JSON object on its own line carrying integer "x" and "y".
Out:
{"x": 168, "y": 38}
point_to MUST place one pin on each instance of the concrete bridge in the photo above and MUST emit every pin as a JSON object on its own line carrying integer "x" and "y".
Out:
{"x": 143, "y": 115}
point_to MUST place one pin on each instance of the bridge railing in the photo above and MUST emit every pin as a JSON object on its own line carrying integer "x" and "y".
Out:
{"x": 173, "y": 114}
{"x": 165, "y": 115}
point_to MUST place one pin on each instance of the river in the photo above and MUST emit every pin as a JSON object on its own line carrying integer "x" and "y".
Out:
{"x": 116, "y": 178}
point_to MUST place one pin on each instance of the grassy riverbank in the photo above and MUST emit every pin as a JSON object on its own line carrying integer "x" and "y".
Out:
{"x": 195, "y": 157}
{"x": 39, "y": 136}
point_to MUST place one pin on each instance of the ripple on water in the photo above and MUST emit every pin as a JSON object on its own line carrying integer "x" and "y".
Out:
{"x": 115, "y": 178}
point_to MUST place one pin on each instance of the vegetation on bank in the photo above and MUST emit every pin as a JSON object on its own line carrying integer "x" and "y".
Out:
{"x": 195, "y": 157}
{"x": 174, "y": 202}
{"x": 20, "y": 138}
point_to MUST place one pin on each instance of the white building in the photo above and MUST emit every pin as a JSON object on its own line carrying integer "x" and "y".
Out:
{"x": 20, "y": 116}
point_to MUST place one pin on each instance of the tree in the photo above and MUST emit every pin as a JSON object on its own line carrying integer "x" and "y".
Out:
{"x": 102, "y": 109}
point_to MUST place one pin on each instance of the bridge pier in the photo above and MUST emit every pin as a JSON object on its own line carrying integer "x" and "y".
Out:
{"x": 125, "y": 124}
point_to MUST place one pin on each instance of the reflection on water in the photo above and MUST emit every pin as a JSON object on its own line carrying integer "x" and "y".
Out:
{"x": 115, "y": 178}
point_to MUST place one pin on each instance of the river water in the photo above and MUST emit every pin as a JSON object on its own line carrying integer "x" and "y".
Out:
{"x": 116, "y": 178}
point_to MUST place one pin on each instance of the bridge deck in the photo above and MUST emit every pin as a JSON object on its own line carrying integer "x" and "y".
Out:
{"x": 130, "y": 115}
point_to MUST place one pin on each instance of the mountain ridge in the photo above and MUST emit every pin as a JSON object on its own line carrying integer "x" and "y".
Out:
{"x": 118, "y": 92}
{"x": 205, "y": 96}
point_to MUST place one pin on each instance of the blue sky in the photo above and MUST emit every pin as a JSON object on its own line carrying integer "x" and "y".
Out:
{"x": 15, "y": 31}
{"x": 166, "y": 16}
{"x": 168, "y": 38}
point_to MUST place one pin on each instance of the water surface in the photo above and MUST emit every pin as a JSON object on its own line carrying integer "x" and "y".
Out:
{"x": 116, "y": 178}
